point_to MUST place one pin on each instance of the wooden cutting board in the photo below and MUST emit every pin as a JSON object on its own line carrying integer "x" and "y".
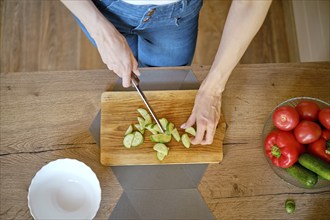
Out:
{"x": 119, "y": 110}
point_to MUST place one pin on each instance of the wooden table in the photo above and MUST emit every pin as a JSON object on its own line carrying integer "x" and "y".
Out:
{"x": 46, "y": 115}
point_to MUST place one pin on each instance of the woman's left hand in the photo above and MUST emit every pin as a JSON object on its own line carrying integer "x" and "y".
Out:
{"x": 206, "y": 114}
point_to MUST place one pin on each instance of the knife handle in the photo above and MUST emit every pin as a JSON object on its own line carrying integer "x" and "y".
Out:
{"x": 135, "y": 79}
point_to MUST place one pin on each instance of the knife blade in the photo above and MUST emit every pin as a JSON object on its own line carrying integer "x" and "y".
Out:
{"x": 135, "y": 83}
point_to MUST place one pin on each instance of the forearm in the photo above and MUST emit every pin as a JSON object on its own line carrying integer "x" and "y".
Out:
{"x": 243, "y": 22}
{"x": 90, "y": 16}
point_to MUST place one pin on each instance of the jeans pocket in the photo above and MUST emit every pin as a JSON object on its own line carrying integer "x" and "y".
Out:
{"x": 188, "y": 13}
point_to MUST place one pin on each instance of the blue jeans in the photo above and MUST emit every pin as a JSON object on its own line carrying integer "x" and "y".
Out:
{"x": 158, "y": 35}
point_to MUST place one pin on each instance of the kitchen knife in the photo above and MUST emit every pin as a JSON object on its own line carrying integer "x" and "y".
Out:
{"x": 135, "y": 83}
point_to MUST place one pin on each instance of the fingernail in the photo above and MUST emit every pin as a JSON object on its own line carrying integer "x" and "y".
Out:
{"x": 137, "y": 72}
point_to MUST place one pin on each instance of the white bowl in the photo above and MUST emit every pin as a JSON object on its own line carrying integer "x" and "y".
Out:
{"x": 64, "y": 189}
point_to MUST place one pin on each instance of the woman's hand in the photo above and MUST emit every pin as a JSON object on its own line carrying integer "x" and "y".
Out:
{"x": 206, "y": 114}
{"x": 112, "y": 46}
{"x": 115, "y": 52}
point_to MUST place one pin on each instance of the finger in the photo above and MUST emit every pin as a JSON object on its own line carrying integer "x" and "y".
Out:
{"x": 126, "y": 79}
{"x": 199, "y": 134}
{"x": 209, "y": 136}
{"x": 136, "y": 72}
{"x": 190, "y": 122}
{"x": 135, "y": 66}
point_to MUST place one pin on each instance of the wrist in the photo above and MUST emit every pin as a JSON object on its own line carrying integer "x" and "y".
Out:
{"x": 101, "y": 28}
{"x": 215, "y": 82}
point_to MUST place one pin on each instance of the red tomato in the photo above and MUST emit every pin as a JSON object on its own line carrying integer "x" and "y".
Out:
{"x": 326, "y": 134}
{"x": 285, "y": 118}
{"x": 308, "y": 110}
{"x": 320, "y": 149}
{"x": 307, "y": 132}
{"x": 324, "y": 117}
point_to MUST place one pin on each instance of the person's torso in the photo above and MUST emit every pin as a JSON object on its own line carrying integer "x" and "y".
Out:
{"x": 150, "y": 2}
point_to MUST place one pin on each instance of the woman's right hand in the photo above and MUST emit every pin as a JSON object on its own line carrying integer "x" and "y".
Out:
{"x": 115, "y": 52}
{"x": 112, "y": 46}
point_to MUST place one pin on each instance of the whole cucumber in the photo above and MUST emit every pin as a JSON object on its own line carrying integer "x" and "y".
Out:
{"x": 303, "y": 175}
{"x": 316, "y": 165}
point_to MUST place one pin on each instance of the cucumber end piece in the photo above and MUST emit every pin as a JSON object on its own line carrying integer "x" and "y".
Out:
{"x": 290, "y": 206}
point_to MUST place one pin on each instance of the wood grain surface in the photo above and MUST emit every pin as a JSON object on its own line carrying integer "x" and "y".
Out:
{"x": 46, "y": 115}
{"x": 119, "y": 110}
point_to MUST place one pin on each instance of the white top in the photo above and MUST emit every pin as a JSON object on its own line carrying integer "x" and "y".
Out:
{"x": 150, "y": 2}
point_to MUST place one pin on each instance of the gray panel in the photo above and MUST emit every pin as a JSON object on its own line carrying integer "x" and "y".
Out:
{"x": 153, "y": 80}
{"x": 159, "y": 176}
{"x": 169, "y": 204}
{"x": 124, "y": 210}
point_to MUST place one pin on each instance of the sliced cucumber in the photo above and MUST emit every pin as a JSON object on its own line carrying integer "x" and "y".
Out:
{"x": 160, "y": 138}
{"x": 156, "y": 128}
{"x": 176, "y": 135}
{"x": 138, "y": 127}
{"x": 142, "y": 123}
{"x": 144, "y": 113}
{"x": 185, "y": 140}
{"x": 169, "y": 128}
{"x": 149, "y": 127}
{"x": 138, "y": 139}
{"x": 129, "y": 130}
{"x": 128, "y": 139}
{"x": 160, "y": 156}
{"x": 162, "y": 148}
{"x": 190, "y": 130}
{"x": 163, "y": 122}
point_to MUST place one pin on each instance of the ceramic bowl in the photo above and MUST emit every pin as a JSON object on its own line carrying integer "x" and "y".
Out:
{"x": 64, "y": 189}
{"x": 268, "y": 127}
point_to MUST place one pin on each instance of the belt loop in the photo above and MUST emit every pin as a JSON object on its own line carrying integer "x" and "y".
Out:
{"x": 184, "y": 4}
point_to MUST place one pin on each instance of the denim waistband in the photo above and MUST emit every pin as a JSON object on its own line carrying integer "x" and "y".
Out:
{"x": 158, "y": 11}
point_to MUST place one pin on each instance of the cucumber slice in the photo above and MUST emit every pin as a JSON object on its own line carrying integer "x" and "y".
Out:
{"x": 176, "y": 135}
{"x": 156, "y": 128}
{"x": 185, "y": 140}
{"x": 138, "y": 139}
{"x": 163, "y": 123}
{"x": 160, "y": 138}
{"x": 129, "y": 130}
{"x": 128, "y": 139}
{"x": 142, "y": 123}
{"x": 138, "y": 126}
{"x": 169, "y": 128}
{"x": 161, "y": 148}
{"x": 144, "y": 113}
{"x": 160, "y": 156}
{"x": 149, "y": 127}
{"x": 191, "y": 130}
